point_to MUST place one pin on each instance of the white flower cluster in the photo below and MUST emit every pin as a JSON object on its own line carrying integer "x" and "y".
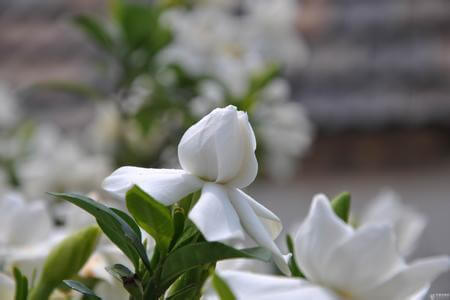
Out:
{"x": 232, "y": 42}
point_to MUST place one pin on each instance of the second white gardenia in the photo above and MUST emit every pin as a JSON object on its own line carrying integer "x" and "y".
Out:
{"x": 340, "y": 263}
{"x": 217, "y": 155}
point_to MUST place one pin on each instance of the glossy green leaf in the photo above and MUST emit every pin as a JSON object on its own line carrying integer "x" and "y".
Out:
{"x": 151, "y": 216}
{"x": 115, "y": 228}
{"x": 65, "y": 260}
{"x": 81, "y": 288}
{"x": 341, "y": 205}
{"x": 223, "y": 290}
{"x": 194, "y": 255}
{"x": 21, "y": 285}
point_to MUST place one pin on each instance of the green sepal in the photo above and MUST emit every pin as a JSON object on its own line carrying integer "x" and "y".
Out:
{"x": 341, "y": 206}
{"x": 293, "y": 266}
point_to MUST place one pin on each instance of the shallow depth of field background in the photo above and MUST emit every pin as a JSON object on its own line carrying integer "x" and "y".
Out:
{"x": 376, "y": 86}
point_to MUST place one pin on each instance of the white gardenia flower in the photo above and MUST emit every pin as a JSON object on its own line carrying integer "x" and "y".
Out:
{"x": 217, "y": 155}
{"x": 407, "y": 222}
{"x": 341, "y": 263}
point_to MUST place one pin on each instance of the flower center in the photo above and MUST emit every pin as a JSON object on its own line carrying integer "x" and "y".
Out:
{"x": 344, "y": 295}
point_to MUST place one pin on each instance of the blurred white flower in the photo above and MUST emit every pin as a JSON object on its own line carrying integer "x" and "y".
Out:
{"x": 408, "y": 223}
{"x": 102, "y": 134}
{"x": 26, "y": 233}
{"x": 217, "y": 155}
{"x": 340, "y": 263}
{"x": 212, "y": 95}
{"x": 284, "y": 128}
{"x": 271, "y": 28}
{"x": 9, "y": 112}
{"x": 7, "y": 287}
{"x": 58, "y": 163}
{"x": 213, "y": 39}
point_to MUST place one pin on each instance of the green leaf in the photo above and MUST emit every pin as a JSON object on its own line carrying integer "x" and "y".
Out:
{"x": 130, "y": 221}
{"x": 21, "y": 285}
{"x": 116, "y": 228}
{"x": 222, "y": 288}
{"x": 75, "y": 88}
{"x": 81, "y": 288}
{"x": 182, "y": 293}
{"x": 152, "y": 216}
{"x": 293, "y": 266}
{"x": 341, "y": 205}
{"x": 194, "y": 255}
{"x": 95, "y": 31}
{"x": 65, "y": 260}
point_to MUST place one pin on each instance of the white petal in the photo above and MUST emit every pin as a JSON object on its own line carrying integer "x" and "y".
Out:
{"x": 248, "y": 286}
{"x": 165, "y": 185}
{"x": 410, "y": 280}
{"x": 255, "y": 228}
{"x": 316, "y": 238}
{"x": 249, "y": 166}
{"x": 213, "y": 147}
{"x": 7, "y": 287}
{"x": 367, "y": 257}
{"x": 214, "y": 215}
{"x": 269, "y": 219}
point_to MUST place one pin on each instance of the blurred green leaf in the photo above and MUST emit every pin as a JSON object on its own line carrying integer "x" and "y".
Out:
{"x": 222, "y": 288}
{"x": 95, "y": 31}
{"x": 75, "y": 88}
{"x": 152, "y": 216}
{"x": 81, "y": 288}
{"x": 194, "y": 255}
{"x": 21, "y": 285}
{"x": 116, "y": 228}
{"x": 341, "y": 206}
{"x": 65, "y": 260}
